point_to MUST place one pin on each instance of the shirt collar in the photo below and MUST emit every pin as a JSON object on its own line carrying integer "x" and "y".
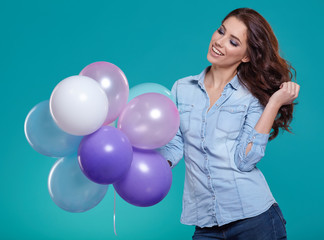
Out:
{"x": 234, "y": 83}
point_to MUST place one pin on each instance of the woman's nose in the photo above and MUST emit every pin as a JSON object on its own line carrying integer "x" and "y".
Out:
{"x": 219, "y": 42}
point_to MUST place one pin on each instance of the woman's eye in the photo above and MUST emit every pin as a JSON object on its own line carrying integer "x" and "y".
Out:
{"x": 234, "y": 43}
{"x": 220, "y": 31}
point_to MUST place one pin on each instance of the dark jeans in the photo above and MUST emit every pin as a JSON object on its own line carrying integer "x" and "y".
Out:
{"x": 269, "y": 225}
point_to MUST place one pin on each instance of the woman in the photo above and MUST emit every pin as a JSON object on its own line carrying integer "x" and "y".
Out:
{"x": 227, "y": 112}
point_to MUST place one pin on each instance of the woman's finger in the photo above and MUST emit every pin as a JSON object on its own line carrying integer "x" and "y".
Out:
{"x": 293, "y": 88}
{"x": 297, "y": 90}
{"x": 289, "y": 87}
{"x": 284, "y": 85}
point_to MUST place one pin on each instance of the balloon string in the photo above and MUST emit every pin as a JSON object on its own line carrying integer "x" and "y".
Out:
{"x": 115, "y": 212}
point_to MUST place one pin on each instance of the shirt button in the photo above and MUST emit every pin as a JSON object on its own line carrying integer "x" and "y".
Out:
{"x": 213, "y": 197}
{"x": 208, "y": 177}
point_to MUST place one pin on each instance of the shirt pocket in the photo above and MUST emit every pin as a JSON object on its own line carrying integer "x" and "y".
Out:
{"x": 230, "y": 118}
{"x": 184, "y": 112}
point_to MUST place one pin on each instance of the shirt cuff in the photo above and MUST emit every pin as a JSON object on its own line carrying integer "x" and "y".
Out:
{"x": 167, "y": 155}
{"x": 258, "y": 138}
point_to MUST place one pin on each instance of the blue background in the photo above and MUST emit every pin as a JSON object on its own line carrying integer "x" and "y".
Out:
{"x": 43, "y": 42}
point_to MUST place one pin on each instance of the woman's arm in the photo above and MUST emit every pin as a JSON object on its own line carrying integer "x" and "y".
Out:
{"x": 254, "y": 136}
{"x": 287, "y": 93}
{"x": 173, "y": 151}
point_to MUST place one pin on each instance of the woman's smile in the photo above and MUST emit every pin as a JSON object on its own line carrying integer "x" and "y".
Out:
{"x": 216, "y": 51}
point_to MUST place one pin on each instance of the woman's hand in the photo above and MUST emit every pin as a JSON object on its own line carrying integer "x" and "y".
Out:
{"x": 287, "y": 93}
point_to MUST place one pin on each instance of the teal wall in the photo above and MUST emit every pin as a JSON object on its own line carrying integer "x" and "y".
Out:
{"x": 43, "y": 42}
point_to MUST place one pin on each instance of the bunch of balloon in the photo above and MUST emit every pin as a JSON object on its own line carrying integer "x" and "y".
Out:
{"x": 76, "y": 125}
{"x": 77, "y": 113}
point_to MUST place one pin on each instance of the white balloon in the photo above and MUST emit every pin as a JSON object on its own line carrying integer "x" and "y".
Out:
{"x": 79, "y": 105}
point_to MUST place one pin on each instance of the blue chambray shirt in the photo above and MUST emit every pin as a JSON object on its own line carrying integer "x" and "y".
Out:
{"x": 222, "y": 184}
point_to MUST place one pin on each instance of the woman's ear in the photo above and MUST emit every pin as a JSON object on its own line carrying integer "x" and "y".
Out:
{"x": 245, "y": 59}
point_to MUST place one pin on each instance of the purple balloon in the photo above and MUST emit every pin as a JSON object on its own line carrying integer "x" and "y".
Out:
{"x": 105, "y": 156}
{"x": 149, "y": 120}
{"x": 114, "y": 82}
{"x": 148, "y": 180}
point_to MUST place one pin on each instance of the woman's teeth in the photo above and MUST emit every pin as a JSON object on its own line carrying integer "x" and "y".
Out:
{"x": 217, "y": 52}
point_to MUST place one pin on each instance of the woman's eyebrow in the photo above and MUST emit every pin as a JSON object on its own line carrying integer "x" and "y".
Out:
{"x": 232, "y": 35}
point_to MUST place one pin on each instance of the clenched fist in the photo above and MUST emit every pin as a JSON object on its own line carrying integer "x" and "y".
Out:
{"x": 287, "y": 93}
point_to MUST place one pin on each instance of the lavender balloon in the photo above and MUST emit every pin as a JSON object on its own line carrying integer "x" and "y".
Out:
{"x": 149, "y": 120}
{"x": 113, "y": 81}
{"x": 105, "y": 156}
{"x": 148, "y": 180}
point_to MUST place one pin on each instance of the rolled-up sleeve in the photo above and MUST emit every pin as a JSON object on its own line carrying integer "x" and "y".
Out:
{"x": 250, "y": 135}
{"x": 173, "y": 151}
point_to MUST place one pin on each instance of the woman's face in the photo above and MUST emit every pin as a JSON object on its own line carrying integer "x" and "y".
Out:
{"x": 228, "y": 46}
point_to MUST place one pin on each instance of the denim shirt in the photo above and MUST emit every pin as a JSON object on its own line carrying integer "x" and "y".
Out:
{"x": 222, "y": 183}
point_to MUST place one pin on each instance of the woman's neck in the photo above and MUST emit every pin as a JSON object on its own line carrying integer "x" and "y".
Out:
{"x": 219, "y": 77}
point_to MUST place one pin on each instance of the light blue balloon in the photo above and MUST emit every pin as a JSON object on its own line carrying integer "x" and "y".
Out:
{"x": 45, "y": 136}
{"x": 70, "y": 189}
{"x": 149, "y": 88}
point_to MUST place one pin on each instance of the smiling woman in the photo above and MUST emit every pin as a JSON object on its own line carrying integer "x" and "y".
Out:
{"x": 226, "y": 41}
{"x": 227, "y": 113}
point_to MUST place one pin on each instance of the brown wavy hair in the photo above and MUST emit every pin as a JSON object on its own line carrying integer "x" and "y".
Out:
{"x": 266, "y": 70}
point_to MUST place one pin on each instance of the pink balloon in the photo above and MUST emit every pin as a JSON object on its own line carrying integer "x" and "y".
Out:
{"x": 149, "y": 120}
{"x": 114, "y": 82}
